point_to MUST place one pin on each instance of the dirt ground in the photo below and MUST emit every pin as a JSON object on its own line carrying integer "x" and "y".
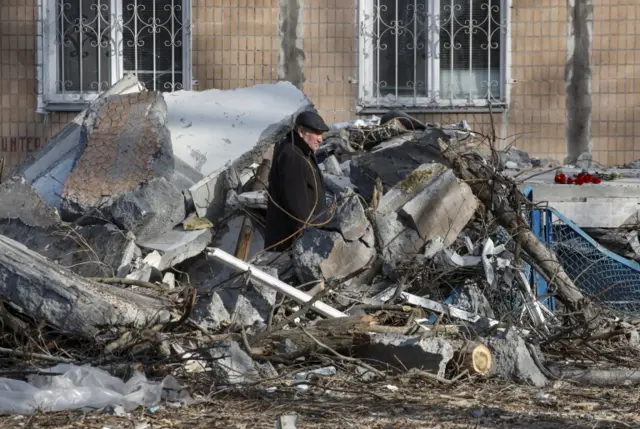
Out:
{"x": 378, "y": 407}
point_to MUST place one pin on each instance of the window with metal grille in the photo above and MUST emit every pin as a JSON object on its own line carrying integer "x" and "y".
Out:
{"x": 86, "y": 46}
{"x": 433, "y": 53}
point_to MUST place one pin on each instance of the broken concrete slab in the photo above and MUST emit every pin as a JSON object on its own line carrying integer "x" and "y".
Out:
{"x": 213, "y": 128}
{"x": 19, "y": 200}
{"x": 210, "y": 312}
{"x": 150, "y": 210}
{"x": 250, "y": 200}
{"x": 130, "y": 251}
{"x": 338, "y": 185}
{"x": 397, "y": 236}
{"x": 395, "y": 162}
{"x": 322, "y": 255}
{"x": 130, "y": 145}
{"x": 205, "y": 272}
{"x": 428, "y": 354}
{"x": 515, "y": 156}
{"x": 236, "y": 303}
{"x": 332, "y": 166}
{"x": 513, "y": 360}
{"x": 233, "y": 365}
{"x": 47, "y": 169}
{"x": 349, "y": 220}
{"x": 470, "y": 298}
{"x": 177, "y": 245}
{"x": 442, "y": 209}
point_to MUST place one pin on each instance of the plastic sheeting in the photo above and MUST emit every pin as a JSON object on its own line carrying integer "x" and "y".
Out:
{"x": 85, "y": 387}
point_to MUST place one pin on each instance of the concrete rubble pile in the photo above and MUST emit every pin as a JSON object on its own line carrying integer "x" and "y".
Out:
{"x": 145, "y": 217}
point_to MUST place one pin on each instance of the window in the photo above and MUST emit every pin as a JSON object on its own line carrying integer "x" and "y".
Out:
{"x": 433, "y": 53}
{"x": 88, "y": 45}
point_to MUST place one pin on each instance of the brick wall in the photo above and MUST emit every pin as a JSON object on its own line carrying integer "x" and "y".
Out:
{"x": 235, "y": 44}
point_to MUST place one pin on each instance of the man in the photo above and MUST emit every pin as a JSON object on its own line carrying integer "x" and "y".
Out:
{"x": 296, "y": 190}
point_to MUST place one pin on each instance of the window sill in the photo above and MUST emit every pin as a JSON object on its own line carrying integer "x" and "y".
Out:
{"x": 65, "y": 107}
{"x": 378, "y": 110}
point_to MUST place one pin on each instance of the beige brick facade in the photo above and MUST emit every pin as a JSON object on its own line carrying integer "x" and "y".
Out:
{"x": 235, "y": 44}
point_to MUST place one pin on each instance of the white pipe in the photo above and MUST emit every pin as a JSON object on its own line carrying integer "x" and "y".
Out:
{"x": 272, "y": 282}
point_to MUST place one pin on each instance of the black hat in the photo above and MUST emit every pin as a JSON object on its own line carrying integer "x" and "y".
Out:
{"x": 312, "y": 121}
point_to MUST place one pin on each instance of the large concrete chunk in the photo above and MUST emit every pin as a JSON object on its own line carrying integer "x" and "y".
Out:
{"x": 214, "y": 128}
{"x": 321, "y": 254}
{"x": 19, "y": 200}
{"x": 151, "y": 210}
{"x": 233, "y": 365}
{"x": 395, "y": 162}
{"x": 442, "y": 209}
{"x": 177, "y": 245}
{"x": 513, "y": 360}
{"x": 129, "y": 146}
{"x": 349, "y": 220}
{"x": 398, "y": 236}
{"x": 48, "y": 168}
{"x": 428, "y": 354}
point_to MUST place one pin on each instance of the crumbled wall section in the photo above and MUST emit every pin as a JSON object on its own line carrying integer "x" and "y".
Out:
{"x": 129, "y": 145}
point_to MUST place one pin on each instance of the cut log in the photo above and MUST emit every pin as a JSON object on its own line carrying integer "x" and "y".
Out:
{"x": 475, "y": 358}
{"x": 50, "y": 293}
{"x": 495, "y": 196}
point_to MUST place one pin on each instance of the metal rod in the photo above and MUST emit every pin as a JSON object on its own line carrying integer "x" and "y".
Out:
{"x": 272, "y": 282}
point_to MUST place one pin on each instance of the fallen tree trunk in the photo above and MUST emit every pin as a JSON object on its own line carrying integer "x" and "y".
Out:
{"x": 600, "y": 377}
{"x": 495, "y": 196}
{"x": 50, "y": 293}
{"x": 338, "y": 333}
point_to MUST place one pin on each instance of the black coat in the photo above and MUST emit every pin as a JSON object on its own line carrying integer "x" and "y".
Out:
{"x": 295, "y": 185}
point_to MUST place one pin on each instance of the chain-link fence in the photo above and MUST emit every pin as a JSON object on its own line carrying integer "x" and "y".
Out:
{"x": 605, "y": 277}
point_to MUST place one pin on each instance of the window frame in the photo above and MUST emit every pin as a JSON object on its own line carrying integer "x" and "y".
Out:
{"x": 48, "y": 57}
{"x": 368, "y": 101}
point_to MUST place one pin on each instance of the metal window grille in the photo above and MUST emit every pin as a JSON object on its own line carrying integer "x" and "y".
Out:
{"x": 88, "y": 45}
{"x": 433, "y": 52}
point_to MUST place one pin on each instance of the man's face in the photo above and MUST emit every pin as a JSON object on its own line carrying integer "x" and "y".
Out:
{"x": 312, "y": 138}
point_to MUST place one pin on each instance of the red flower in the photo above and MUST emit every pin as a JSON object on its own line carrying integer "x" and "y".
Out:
{"x": 579, "y": 180}
{"x": 596, "y": 180}
{"x": 570, "y": 180}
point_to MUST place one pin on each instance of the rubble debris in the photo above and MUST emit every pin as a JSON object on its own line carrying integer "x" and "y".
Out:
{"x": 442, "y": 208}
{"x": 130, "y": 251}
{"x": 151, "y": 210}
{"x": 406, "y": 215}
{"x": 177, "y": 245}
{"x": 332, "y": 166}
{"x": 341, "y": 247}
{"x": 513, "y": 359}
{"x": 426, "y": 272}
{"x": 395, "y": 162}
{"x": 514, "y": 158}
{"x": 270, "y": 281}
{"x": 321, "y": 254}
{"x": 47, "y": 292}
{"x": 233, "y": 365}
{"x": 236, "y": 304}
{"x": 428, "y": 354}
{"x": 21, "y": 201}
{"x": 496, "y": 197}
